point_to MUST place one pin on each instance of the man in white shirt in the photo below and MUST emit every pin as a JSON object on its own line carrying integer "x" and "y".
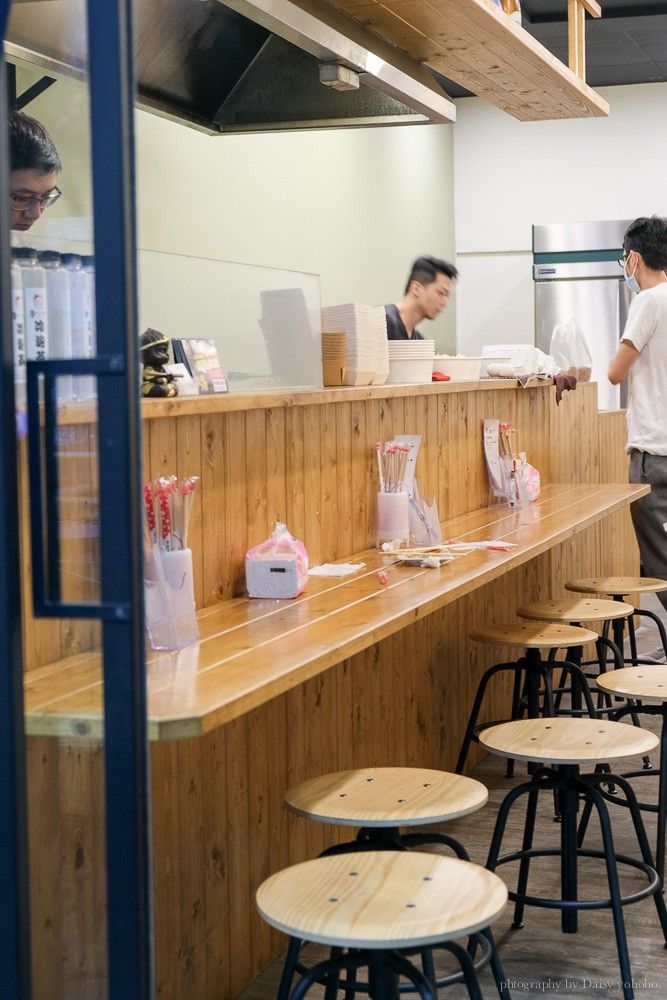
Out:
{"x": 642, "y": 357}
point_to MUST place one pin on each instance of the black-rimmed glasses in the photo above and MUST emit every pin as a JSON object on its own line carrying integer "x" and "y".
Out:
{"x": 24, "y": 202}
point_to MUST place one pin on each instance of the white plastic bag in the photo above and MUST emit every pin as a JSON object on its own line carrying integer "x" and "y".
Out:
{"x": 278, "y": 567}
{"x": 570, "y": 351}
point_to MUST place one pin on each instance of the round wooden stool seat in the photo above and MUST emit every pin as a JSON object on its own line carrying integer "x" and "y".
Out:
{"x": 647, "y": 683}
{"x": 534, "y": 635}
{"x": 386, "y": 797}
{"x": 382, "y": 899}
{"x": 583, "y": 609}
{"x": 617, "y": 585}
{"x": 567, "y": 741}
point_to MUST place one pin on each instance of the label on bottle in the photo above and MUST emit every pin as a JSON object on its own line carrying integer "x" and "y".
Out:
{"x": 34, "y": 299}
{"x": 18, "y": 328}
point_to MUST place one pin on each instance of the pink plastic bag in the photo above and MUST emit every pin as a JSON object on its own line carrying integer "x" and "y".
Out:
{"x": 278, "y": 567}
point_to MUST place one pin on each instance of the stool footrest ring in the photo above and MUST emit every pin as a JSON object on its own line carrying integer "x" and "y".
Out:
{"x": 582, "y": 904}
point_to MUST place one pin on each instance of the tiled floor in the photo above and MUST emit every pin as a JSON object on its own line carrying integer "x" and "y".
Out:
{"x": 539, "y": 960}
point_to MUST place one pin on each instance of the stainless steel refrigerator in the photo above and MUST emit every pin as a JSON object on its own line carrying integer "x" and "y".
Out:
{"x": 576, "y": 275}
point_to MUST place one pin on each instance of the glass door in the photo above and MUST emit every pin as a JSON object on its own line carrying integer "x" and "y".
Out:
{"x": 75, "y": 917}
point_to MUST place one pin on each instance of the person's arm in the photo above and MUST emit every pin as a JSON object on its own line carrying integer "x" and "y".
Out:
{"x": 622, "y": 362}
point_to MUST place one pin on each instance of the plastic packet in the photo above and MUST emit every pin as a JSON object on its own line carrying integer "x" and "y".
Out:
{"x": 277, "y": 567}
{"x": 570, "y": 351}
{"x": 531, "y": 478}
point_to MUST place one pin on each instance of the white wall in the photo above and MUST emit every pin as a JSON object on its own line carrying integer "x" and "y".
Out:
{"x": 355, "y": 206}
{"x": 510, "y": 175}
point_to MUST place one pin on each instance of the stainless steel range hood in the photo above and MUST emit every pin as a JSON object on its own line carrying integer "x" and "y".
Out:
{"x": 247, "y": 65}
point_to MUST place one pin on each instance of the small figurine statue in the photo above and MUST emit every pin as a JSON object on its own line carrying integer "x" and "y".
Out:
{"x": 155, "y": 381}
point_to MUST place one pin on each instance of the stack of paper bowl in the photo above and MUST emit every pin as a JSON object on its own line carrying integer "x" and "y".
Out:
{"x": 334, "y": 358}
{"x": 411, "y": 360}
{"x": 365, "y": 329}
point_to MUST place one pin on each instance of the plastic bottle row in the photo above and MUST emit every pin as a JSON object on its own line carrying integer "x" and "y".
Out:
{"x": 53, "y": 315}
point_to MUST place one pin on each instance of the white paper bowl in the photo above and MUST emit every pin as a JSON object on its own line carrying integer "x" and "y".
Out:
{"x": 411, "y": 370}
{"x": 458, "y": 369}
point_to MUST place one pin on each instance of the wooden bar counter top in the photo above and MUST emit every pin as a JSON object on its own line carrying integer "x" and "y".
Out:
{"x": 253, "y": 650}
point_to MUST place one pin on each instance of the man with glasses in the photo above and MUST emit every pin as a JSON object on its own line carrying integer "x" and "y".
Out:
{"x": 34, "y": 165}
{"x": 642, "y": 357}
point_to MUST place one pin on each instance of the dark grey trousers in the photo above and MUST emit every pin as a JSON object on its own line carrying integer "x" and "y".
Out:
{"x": 649, "y": 514}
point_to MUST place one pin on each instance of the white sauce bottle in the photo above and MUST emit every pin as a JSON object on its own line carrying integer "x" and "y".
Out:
{"x": 80, "y": 311}
{"x": 59, "y": 316}
{"x": 18, "y": 331}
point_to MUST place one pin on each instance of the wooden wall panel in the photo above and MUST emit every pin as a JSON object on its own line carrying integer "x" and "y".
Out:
{"x": 313, "y": 466}
{"x": 67, "y": 862}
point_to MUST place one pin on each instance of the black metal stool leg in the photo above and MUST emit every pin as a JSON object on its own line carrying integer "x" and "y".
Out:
{"x": 657, "y": 621}
{"x": 524, "y": 866}
{"x": 385, "y": 967}
{"x": 289, "y": 968}
{"x": 501, "y": 823}
{"x": 518, "y": 667}
{"x": 568, "y": 799}
{"x": 614, "y": 892}
{"x": 499, "y": 976}
{"x": 633, "y": 640}
{"x": 662, "y": 799}
{"x": 409, "y": 840}
{"x": 327, "y": 971}
{"x": 645, "y": 850}
{"x": 469, "y": 974}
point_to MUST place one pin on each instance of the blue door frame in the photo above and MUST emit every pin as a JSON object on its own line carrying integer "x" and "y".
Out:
{"x": 111, "y": 82}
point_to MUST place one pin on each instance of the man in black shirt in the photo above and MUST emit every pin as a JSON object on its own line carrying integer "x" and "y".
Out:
{"x": 426, "y": 295}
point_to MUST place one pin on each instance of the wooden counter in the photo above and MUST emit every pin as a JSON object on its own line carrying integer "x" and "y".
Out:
{"x": 352, "y": 674}
{"x": 252, "y": 651}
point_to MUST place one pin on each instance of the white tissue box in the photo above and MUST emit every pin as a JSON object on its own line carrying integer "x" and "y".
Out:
{"x": 275, "y": 578}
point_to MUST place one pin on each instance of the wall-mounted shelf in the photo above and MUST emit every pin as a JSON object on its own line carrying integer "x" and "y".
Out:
{"x": 479, "y": 47}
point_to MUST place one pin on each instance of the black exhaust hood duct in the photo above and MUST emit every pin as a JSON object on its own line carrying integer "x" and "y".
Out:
{"x": 245, "y": 66}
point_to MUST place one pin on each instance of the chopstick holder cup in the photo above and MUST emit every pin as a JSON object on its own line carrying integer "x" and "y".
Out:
{"x": 171, "y": 619}
{"x": 393, "y": 518}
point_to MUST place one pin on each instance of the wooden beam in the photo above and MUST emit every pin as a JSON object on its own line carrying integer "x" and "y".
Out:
{"x": 479, "y": 47}
{"x": 576, "y": 33}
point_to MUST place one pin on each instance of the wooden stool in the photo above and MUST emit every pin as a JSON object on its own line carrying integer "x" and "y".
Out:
{"x": 382, "y": 903}
{"x": 532, "y": 675}
{"x": 579, "y": 611}
{"x": 645, "y": 684}
{"x": 380, "y": 801}
{"x": 618, "y": 588}
{"x": 562, "y": 745}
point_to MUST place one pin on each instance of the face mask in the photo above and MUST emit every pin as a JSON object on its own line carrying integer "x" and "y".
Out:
{"x": 631, "y": 281}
